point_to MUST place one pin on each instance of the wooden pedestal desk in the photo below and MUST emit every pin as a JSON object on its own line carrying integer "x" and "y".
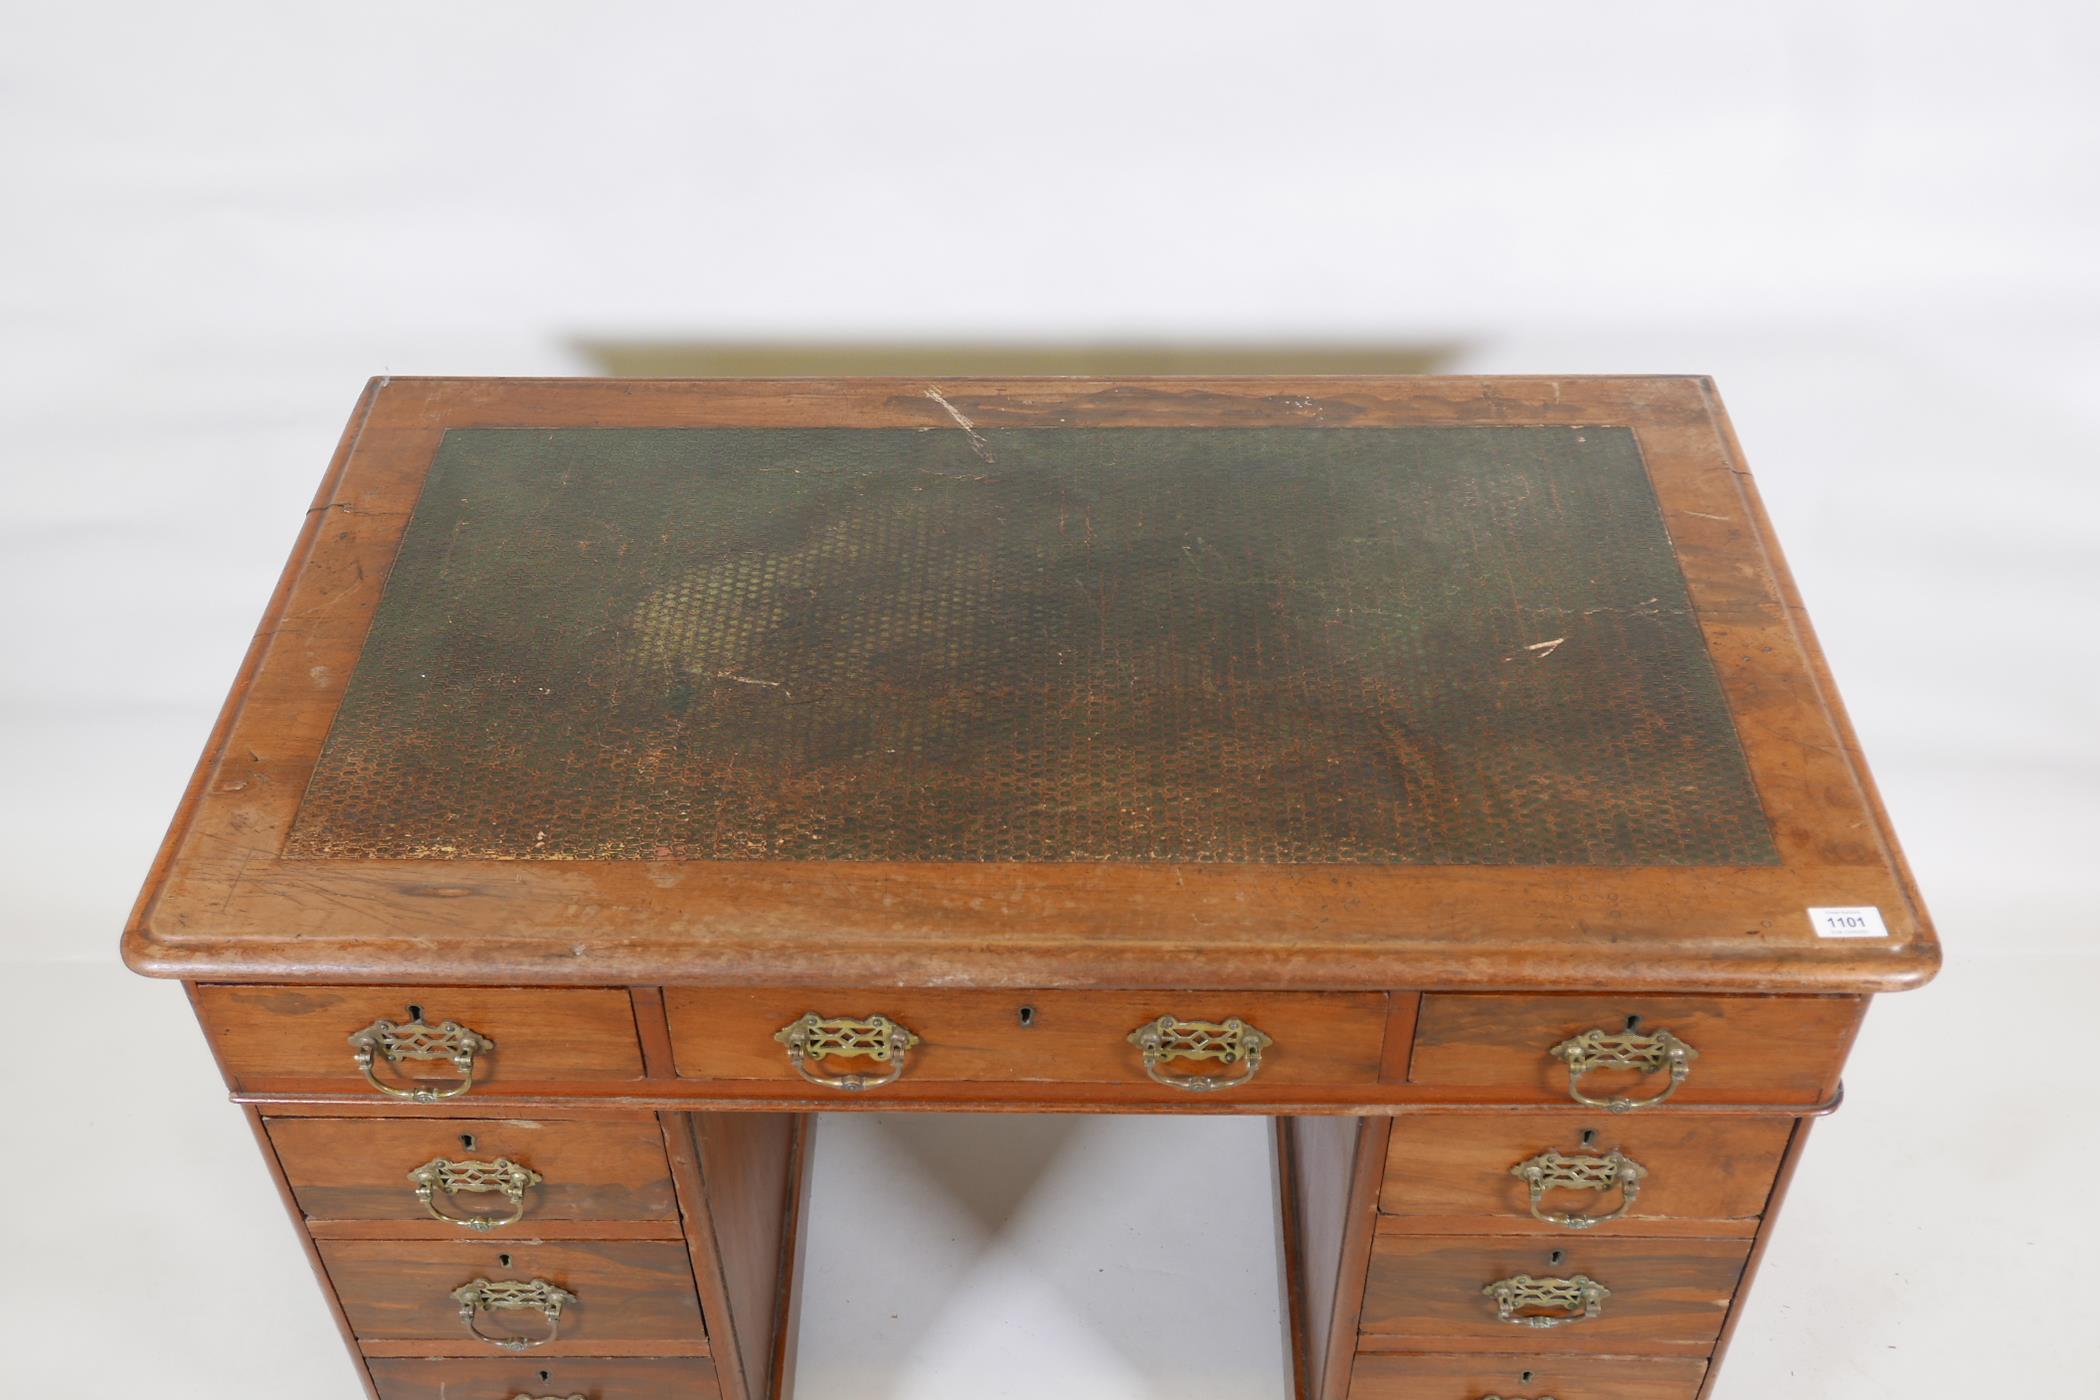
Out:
{"x": 626, "y": 770}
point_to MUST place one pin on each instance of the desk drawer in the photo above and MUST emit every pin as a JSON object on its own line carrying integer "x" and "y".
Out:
{"x": 530, "y": 1172}
{"x": 1563, "y": 1377}
{"x": 275, "y": 1039}
{"x": 1679, "y": 1174}
{"x": 627, "y": 1297}
{"x": 1664, "y": 1296}
{"x": 1526, "y": 1049}
{"x": 1032, "y": 1037}
{"x": 599, "y": 1378}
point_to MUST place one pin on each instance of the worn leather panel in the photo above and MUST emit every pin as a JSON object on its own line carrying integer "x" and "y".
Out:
{"x": 1446, "y": 645}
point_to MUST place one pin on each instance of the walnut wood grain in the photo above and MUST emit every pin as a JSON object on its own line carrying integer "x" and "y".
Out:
{"x": 633, "y": 1297}
{"x": 1752, "y": 1050}
{"x": 295, "y": 1040}
{"x": 504, "y": 1378}
{"x": 1381, "y": 1377}
{"x": 1030, "y": 1035}
{"x": 224, "y": 902}
{"x": 345, "y": 1170}
{"x": 1449, "y": 1173}
{"x": 1667, "y": 1296}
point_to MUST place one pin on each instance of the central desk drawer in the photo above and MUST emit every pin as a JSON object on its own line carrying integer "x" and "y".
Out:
{"x": 456, "y": 1174}
{"x": 1242, "y": 1042}
{"x": 1632, "y": 1296}
{"x": 599, "y": 1378}
{"x": 631, "y": 1297}
{"x": 422, "y": 1043}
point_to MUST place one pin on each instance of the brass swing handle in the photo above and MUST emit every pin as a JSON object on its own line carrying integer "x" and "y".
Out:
{"x": 1651, "y": 1053}
{"x": 1579, "y": 1298}
{"x": 1551, "y": 1171}
{"x": 502, "y": 1175}
{"x": 815, "y": 1038}
{"x": 448, "y": 1040}
{"x": 511, "y": 1295}
{"x": 1230, "y": 1042}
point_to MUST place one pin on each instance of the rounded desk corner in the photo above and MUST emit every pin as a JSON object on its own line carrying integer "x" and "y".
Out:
{"x": 144, "y": 953}
{"x": 1917, "y": 962}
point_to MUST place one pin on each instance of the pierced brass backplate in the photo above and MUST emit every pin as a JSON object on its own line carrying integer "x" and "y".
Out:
{"x": 502, "y": 1175}
{"x": 1230, "y": 1042}
{"x": 1555, "y": 1171}
{"x": 512, "y": 1295}
{"x": 878, "y": 1038}
{"x": 1599, "y": 1049}
{"x": 448, "y": 1040}
{"x": 1581, "y": 1297}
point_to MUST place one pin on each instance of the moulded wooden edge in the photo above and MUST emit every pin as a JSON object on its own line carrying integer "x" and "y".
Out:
{"x": 1077, "y": 1099}
{"x": 1359, "y": 963}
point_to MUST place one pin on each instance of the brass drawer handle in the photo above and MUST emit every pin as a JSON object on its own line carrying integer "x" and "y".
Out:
{"x": 512, "y": 1295}
{"x": 1584, "y": 1172}
{"x": 448, "y": 1040}
{"x": 1581, "y": 1297}
{"x": 444, "y": 1174}
{"x": 878, "y": 1038}
{"x": 1598, "y": 1049}
{"x": 1230, "y": 1042}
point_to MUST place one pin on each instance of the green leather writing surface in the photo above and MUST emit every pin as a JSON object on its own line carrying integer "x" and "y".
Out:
{"x": 1443, "y": 645}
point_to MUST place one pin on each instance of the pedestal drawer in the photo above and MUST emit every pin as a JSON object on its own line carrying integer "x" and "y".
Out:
{"x": 433, "y": 1040}
{"x": 623, "y": 1298}
{"x": 1662, "y": 1296}
{"x": 1594, "y": 1173}
{"x": 476, "y": 1171}
{"x": 597, "y": 1377}
{"x": 1634, "y": 1051}
{"x": 1562, "y": 1377}
{"x": 1049, "y": 1037}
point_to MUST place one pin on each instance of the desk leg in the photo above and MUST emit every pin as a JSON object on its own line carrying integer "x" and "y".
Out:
{"x": 740, "y": 1178}
{"x": 1329, "y": 1168}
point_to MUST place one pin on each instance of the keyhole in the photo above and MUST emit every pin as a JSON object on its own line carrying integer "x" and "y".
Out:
{"x": 466, "y": 1140}
{"x": 1557, "y": 1257}
{"x": 1524, "y": 1376}
{"x": 1589, "y": 1137}
{"x": 1633, "y": 1023}
{"x": 1027, "y": 1017}
{"x": 415, "y": 1012}
{"x": 504, "y": 1260}
{"x": 549, "y": 1375}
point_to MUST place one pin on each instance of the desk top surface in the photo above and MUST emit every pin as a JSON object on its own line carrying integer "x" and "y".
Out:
{"x": 1336, "y": 682}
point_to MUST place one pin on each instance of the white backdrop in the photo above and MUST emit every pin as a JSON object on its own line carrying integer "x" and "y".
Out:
{"x": 1873, "y": 223}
